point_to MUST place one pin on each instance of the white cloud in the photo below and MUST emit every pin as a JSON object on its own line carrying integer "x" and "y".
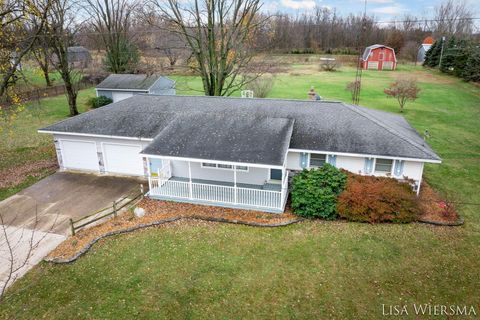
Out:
{"x": 381, "y": 1}
{"x": 299, "y": 4}
{"x": 391, "y": 10}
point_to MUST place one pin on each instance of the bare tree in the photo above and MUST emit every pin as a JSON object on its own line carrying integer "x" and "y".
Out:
{"x": 112, "y": 20}
{"x": 220, "y": 35}
{"x": 17, "y": 37}
{"x": 409, "y": 51}
{"x": 13, "y": 259}
{"x": 353, "y": 87}
{"x": 261, "y": 86}
{"x": 61, "y": 27}
{"x": 453, "y": 17}
{"x": 329, "y": 64}
{"x": 403, "y": 90}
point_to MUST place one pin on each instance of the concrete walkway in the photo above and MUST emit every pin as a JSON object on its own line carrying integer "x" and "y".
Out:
{"x": 44, "y": 209}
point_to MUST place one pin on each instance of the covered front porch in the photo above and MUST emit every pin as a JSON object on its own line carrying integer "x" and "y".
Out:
{"x": 246, "y": 187}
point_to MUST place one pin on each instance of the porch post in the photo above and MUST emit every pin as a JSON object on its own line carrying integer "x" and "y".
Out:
{"x": 282, "y": 189}
{"x": 149, "y": 175}
{"x": 235, "y": 183}
{"x": 190, "y": 180}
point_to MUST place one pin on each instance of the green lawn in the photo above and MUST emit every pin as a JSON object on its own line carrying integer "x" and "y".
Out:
{"x": 33, "y": 76}
{"x": 310, "y": 270}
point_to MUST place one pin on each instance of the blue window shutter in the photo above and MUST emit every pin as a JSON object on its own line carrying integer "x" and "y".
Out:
{"x": 303, "y": 160}
{"x": 367, "y": 168}
{"x": 332, "y": 159}
{"x": 398, "y": 168}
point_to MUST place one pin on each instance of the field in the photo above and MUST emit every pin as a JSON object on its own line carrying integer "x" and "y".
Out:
{"x": 310, "y": 270}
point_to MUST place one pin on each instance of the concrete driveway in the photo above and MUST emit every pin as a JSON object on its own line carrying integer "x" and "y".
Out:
{"x": 61, "y": 196}
{"x": 44, "y": 209}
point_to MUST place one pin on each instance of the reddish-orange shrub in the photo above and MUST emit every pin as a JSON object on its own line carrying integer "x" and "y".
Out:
{"x": 377, "y": 199}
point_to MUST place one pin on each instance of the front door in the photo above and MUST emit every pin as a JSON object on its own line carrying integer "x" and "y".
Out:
{"x": 275, "y": 174}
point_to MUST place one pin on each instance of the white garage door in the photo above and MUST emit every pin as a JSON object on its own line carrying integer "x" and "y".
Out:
{"x": 80, "y": 155}
{"x": 373, "y": 65}
{"x": 123, "y": 159}
{"x": 387, "y": 65}
{"x": 119, "y": 96}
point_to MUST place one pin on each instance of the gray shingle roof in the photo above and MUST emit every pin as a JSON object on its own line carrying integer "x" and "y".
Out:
{"x": 128, "y": 81}
{"x": 246, "y": 139}
{"x": 319, "y": 125}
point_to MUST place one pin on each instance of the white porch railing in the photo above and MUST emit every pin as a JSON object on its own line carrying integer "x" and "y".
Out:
{"x": 219, "y": 194}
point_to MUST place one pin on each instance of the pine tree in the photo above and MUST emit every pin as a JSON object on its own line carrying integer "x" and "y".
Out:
{"x": 471, "y": 72}
{"x": 432, "y": 58}
{"x": 449, "y": 55}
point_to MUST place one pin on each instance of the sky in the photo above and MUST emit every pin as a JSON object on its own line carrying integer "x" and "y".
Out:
{"x": 382, "y": 9}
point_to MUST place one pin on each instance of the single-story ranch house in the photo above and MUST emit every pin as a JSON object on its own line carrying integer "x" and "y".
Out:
{"x": 122, "y": 86}
{"x": 236, "y": 152}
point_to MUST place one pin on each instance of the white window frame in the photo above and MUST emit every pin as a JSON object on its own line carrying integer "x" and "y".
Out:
{"x": 210, "y": 165}
{"x": 385, "y": 172}
{"x": 310, "y": 159}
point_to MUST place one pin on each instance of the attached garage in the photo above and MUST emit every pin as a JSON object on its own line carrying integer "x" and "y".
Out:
{"x": 122, "y": 159}
{"x": 79, "y": 155}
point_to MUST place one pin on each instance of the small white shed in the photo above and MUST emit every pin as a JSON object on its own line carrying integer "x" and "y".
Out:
{"x": 122, "y": 86}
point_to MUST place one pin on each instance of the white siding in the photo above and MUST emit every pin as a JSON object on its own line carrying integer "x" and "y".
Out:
{"x": 352, "y": 164}
{"x": 253, "y": 176}
{"x": 121, "y": 95}
{"x": 411, "y": 169}
{"x": 293, "y": 161}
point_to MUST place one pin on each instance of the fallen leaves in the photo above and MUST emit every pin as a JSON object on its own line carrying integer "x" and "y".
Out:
{"x": 160, "y": 210}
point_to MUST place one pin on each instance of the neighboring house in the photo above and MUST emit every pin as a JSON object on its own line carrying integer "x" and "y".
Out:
{"x": 379, "y": 57}
{"x": 122, "y": 86}
{"x": 236, "y": 152}
{"x": 422, "y": 51}
{"x": 79, "y": 56}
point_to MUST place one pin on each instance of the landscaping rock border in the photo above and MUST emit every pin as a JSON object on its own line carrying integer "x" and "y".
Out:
{"x": 457, "y": 223}
{"x": 87, "y": 247}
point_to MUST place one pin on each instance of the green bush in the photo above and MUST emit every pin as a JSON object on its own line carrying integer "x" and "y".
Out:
{"x": 98, "y": 102}
{"x": 377, "y": 199}
{"x": 315, "y": 191}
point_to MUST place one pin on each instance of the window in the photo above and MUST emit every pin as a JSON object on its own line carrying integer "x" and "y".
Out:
{"x": 383, "y": 165}
{"x": 317, "y": 160}
{"x": 223, "y": 166}
{"x": 380, "y": 56}
{"x": 209, "y": 165}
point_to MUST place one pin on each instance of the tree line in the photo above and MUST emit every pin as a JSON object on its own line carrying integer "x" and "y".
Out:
{"x": 217, "y": 38}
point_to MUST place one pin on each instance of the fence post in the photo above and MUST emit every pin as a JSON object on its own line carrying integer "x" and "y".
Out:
{"x": 72, "y": 228}
{"x": 114, "y": 209}
{"x": 141, "y": 189}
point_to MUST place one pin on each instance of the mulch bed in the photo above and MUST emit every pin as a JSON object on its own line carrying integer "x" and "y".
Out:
{"x": 435, "y": 210}
{"x": 158, "y": 213}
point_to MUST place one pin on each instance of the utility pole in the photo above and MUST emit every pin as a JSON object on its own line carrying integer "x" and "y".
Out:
{"x": 441, "y": 54}
{"x": 362, "y": 41}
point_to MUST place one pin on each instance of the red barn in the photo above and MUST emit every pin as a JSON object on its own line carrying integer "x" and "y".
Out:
{"x": 379, "y": 57}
